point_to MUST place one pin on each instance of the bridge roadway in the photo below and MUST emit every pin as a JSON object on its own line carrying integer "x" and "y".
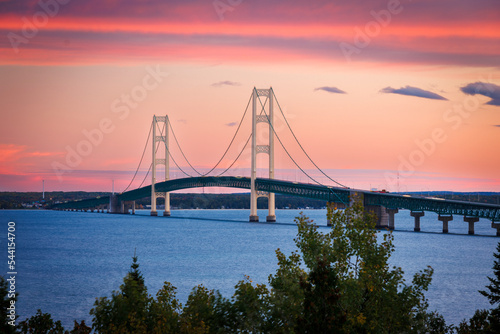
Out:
{"x": 372, "y": 200}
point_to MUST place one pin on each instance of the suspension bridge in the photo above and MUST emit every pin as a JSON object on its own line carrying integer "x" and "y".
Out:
{"x": 263, "y": 103}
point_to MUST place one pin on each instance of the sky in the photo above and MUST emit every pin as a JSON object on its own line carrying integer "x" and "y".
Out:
{"x": 387, "y": 94}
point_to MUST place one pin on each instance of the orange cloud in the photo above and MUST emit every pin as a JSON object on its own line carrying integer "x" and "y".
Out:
{"x": 16, "y": 159}
{"x": 81, "y": 40}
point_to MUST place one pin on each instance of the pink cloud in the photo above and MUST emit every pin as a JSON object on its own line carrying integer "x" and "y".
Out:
{"x": 18, "y": 159}
{"x": 91, "y": 32}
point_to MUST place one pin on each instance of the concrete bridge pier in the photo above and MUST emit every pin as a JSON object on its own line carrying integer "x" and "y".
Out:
{"x": 117, "y": 206}
{"x": 497, "y": 226}
{"x": 471, "y": 221}
{"x": 381, "y": 213}
{"x": 268, "y": 149}
{"x": 417, "y": 215}
{"x": 391, "y": 213}
{"x": 445, "y": 220}
{"x": 113, "y": 204}
{"x": 271, "y": 217}
{"x": 128, "y": 207}
{"x": 166, "y": 212}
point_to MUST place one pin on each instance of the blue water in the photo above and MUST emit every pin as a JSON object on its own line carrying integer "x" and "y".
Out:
{"x": 67, "y": 259}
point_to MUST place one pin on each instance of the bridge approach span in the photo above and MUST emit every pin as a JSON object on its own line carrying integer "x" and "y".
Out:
{"x": 314, "y": 191}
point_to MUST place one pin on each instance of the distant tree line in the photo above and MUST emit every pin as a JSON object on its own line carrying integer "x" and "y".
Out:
{"x": 479, "y": 197}
{"x": 14, "y": 200}
{"x": 239, "y": 201}
{"x": 337, "y": 282}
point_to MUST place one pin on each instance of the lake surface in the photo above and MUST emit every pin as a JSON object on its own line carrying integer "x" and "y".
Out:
{"x": 67, "y": 259}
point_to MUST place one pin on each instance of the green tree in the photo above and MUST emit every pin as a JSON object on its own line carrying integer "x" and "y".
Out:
{"x": 321, "y": 308}
{"x": 336, "y": 282}
{"x": 493, "y": 293}
{"x": 164, "y": 316}
{"x": 287, "y": 293}
{"x": 198, "y": 314}
{"x": 487, "y": 321}
{"x": 479, "y": 323}
{"x": 41, "y": 323}
{"x": 81, "y": 328}
{"x": 125, "y": 311}
{"x": 363, "y": 294}
{"x": 207, "y": 311}
{"x": 250, "y": 307}
{"x": 133, "y": 310}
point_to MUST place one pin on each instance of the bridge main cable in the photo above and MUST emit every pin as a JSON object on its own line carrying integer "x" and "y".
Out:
{"x": 291, "y": 158}
{"x": 226, "y": 151}
{"x": 140, "y": 162}
{"x": 296, "y": 139}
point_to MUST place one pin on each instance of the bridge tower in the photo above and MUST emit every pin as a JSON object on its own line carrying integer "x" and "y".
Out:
{"x": 262, "y": 117}
{"x": 165, "y": 161}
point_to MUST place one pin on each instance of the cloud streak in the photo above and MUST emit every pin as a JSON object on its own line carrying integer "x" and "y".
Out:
{"x": 486, "y": 89}
{"x": 330, "y": 90}
{"x": 99, "y": 31}
{"x": 225, "y": 83}
{"x": 413, "y": 91}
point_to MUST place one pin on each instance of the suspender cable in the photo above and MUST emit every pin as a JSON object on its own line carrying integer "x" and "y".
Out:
{"x": 228, "y": 168}
{"x": 170, "y": 155}
{"x": 226, "y": 151}
{"x": 290, "y": 128}
{"x": 140, "y": 162}
{"x": 293, "y": 160}
{"x": 231, "y": 143}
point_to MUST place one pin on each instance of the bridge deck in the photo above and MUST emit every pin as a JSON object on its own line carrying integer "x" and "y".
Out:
{"x": 331, "y": 194}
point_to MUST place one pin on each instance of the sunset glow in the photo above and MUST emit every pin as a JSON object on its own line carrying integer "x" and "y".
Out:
{"x": 398, "y": 95}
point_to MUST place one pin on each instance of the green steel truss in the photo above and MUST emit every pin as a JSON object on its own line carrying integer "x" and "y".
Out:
{"x": 268, "y": 185}
{"x": 83, "y": 204}
{"x": 440, "y": 206}
{"x": 331, "y": 194}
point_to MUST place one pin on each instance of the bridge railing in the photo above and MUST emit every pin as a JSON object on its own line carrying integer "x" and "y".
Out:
{"x": 82, "y": 204}
{"x": 440, "y": 206}
{"x": 330, "y": 194}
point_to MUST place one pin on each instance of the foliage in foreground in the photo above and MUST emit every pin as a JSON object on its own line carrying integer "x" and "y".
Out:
{"x": 42, "y": 323}
{"x": 336, "y": 282}
{"x": 487, "y": 321}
